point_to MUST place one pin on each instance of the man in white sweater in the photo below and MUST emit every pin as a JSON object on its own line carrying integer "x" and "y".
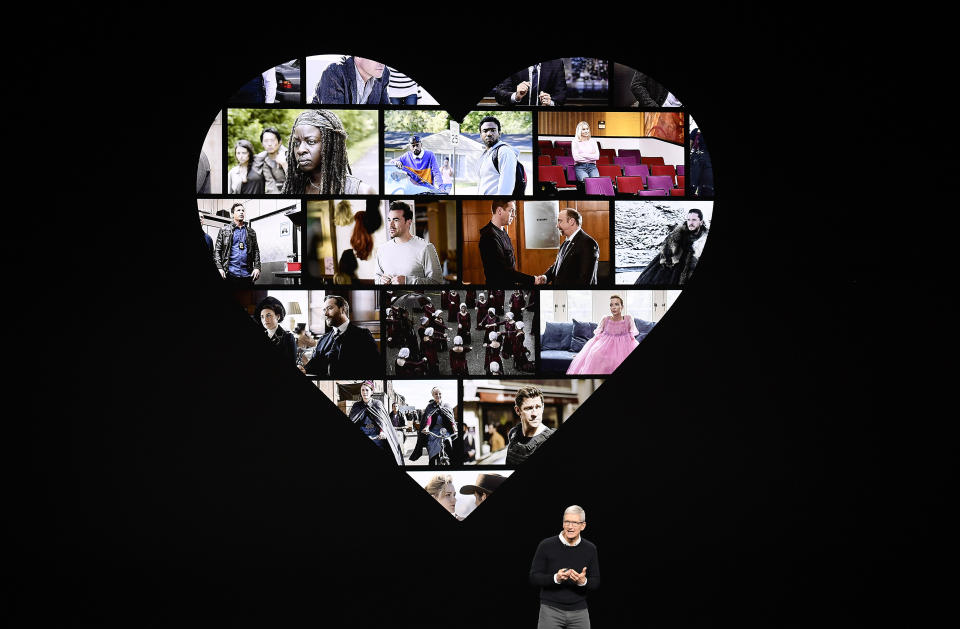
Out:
{"x": 405, "y": 258}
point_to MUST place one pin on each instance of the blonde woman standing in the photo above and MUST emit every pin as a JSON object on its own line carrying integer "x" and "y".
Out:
{"x": 585, "y": 151}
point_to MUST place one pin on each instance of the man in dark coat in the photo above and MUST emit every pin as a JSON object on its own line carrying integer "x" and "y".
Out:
{"x": 648, "y": 92}
{"x": 353, "y": 81}
{"x": 679, "y": 254}
{"x": 496, "y": 249}
{"x": 576, "y": 263}
{"x": 236, "y": 252}
{"x": 346, "y": 350}
{"x": 540, "y": 85}
{"x": 524, "y": 438}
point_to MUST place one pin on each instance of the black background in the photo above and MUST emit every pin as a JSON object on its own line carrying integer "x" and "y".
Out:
{"x": 769, "y": 456}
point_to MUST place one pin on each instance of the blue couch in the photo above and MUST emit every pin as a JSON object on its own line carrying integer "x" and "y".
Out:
{"x": 560, "y": 342}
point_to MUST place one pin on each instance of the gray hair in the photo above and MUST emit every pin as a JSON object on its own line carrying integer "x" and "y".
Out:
{"x": 576, "y": 509}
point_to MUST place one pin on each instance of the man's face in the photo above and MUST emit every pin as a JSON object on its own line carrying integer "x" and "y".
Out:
{"x": 394, "y": 408}
{"x": 436, "y": 395}
{"x": 693, "y": 221}
{"x": 565, "y": 224}
{"x": 416, "y": 148}
{"x": 270, "y": 142}
{"x": 306, "y": 147}
{"x": 489, "y": 133}
{"x": 480, "y": 496}
{"x": 507, "y": 213}
{"x": 269, "y": 319}
{"x": 531, "y": 412}
{"x": 239, "y": 214}
{"x": 332, "y": 313}
{"x": 396, "y": 224}
{"x": 369, "y": 66}
{"x": 572, "y": 526}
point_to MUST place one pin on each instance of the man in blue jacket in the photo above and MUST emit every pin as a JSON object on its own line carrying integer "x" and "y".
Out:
{"x": 353, "y": 81}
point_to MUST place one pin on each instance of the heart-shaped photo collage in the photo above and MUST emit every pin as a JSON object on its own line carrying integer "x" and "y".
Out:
{"x": 457, "y": 288}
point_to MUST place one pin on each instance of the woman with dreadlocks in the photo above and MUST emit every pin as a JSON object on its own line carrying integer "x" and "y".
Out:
{"x": 244, "y": 178}
{"x": 317, "y": 157}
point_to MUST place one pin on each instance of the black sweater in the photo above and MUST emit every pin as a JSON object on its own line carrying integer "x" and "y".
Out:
{"x": 551, "y": 556}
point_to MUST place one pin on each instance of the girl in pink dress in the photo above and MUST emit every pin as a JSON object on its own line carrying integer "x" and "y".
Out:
{"x": 613, "y": 341}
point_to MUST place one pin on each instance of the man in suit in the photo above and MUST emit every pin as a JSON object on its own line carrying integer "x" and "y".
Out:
{"x": 496, "y": 250}
{"x": 540, "y": 85}
{"x": 346, "y": 350}
{"x": 576, "y": 262}
{"x": 353, "y": 81}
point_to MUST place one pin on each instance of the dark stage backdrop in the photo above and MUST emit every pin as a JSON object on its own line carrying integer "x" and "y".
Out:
{"x": 750, "y": 464}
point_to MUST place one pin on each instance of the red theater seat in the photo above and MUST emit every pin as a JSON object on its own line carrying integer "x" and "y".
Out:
{"x": 629, "y": 185}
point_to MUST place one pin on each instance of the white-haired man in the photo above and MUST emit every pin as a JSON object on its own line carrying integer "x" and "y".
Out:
{"x": 566, "y": 568}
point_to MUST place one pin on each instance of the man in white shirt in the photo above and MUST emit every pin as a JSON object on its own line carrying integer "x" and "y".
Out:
{"x": 405, "y": 258}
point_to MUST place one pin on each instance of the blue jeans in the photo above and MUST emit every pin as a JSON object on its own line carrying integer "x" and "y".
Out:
{"x": 406, "y": 100}
{"x": 584, "y": 170}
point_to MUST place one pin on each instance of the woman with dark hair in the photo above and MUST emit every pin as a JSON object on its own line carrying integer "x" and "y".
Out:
{"x": 369, "y": 414}
{"x": 244, "y": 177}
{"x": 317, "y": 157}
{"x": 271, "y": 312}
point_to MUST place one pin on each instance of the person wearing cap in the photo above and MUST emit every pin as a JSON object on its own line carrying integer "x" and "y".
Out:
{"x": 493, "y": 352}
{"x": 271, "y": 312}
{"x": 566, "y": 569}
{"x": 429, "y": 348}
{"x": 530, "y": 433}
{"x": 481, "y": 309}
{"x": 506, "y": 337}
{"x": 369, "y": 414}
{"x": 489, "y": 323}
{"x": 485, "y": 485}
{"x": 439, "y": 331}
{"x": 406, "y": 258}
{"x": 458, "y": 357}
{"x": 494, "y": 369}
{"x": 520, "y": 351}
{"x": 463, "y": 324}
{"x": 407, "y": 367}
{"x": 420, "y": 162}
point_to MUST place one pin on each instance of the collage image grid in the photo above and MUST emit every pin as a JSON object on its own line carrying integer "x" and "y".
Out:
{"x": 457, "y": 289}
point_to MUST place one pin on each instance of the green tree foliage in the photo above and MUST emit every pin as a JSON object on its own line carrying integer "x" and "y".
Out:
{"x": 246, "y": 124}
{"x": 510, "y": 121}
{"x": 416, "y": 120}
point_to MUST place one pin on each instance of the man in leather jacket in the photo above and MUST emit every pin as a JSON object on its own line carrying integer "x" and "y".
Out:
{"x": 236, "y": 252}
